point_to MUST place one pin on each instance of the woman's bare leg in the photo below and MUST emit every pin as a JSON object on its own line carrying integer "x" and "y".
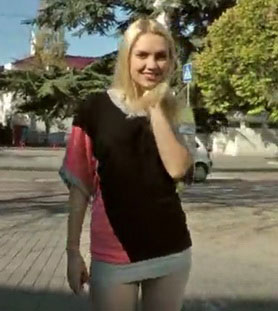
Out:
{"x": 118, "y": 297}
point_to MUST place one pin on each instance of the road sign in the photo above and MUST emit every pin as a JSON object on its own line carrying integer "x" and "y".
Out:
{"x": 187, "y": 73}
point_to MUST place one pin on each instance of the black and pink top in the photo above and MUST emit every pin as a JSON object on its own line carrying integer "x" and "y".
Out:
{"x": 136, "y": 211}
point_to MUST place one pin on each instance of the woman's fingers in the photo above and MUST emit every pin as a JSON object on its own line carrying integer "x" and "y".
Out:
{"x": 84, "y": 275}
{"x": 77, "y": 272}
{"x": 74, "y": 279}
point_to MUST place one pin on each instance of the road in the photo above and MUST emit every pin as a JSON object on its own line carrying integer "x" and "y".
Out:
{"x": 233, "y": 219}
{"x": 49, "y": 159}
{"x": 234, "y": 222}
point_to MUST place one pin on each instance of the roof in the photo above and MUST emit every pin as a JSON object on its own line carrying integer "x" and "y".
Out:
{"x": 77, "y": 62}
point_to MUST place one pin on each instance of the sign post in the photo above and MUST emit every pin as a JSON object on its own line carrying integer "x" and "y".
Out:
{"x": 187, "y": 78}
{"x": 189, "y": 126}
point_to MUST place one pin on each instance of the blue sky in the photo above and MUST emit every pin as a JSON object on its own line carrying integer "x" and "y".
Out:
{"x": 15, "y": 38}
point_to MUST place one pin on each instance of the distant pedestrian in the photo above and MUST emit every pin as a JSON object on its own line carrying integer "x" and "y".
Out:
{"x": 126, "y": 152}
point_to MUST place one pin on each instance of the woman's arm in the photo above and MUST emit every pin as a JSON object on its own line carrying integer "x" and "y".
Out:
{"x": 76, "y": 268}
{"x": 175, "y": 157}
{"x": 78, "y": 202}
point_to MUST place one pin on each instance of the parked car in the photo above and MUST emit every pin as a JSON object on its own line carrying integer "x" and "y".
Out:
{"x": 203, "y": 162}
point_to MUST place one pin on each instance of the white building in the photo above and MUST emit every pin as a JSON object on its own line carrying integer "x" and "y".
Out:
{"x": 247, "y": 136}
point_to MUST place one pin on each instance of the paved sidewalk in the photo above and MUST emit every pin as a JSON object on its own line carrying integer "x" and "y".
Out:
{"x": 33, "y": 216}
{"x": 233, "y": 225}
{"x": 39, "y": 159}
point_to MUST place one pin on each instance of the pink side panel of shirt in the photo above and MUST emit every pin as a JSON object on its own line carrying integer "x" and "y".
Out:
{"x": 81, "y": 164}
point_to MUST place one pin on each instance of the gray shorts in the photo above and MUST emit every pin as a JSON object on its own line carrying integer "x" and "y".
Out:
{"x": 106, "y": 274}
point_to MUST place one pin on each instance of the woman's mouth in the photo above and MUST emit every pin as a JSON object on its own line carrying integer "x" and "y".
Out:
{"x": 151, "y": 76}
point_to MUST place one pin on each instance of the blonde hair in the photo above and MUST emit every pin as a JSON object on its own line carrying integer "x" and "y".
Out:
{"x": 122, "y": 79}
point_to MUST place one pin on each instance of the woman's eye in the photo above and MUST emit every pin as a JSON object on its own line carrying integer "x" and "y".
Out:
{"x": 142, "y": 55}
{"x": 161, "y": 56}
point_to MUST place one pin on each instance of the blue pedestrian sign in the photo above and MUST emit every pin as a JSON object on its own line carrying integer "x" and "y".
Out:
{"x": 187, "y": 73}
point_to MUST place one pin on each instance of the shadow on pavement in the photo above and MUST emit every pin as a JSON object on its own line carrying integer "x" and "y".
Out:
{"x": 12, "y": 299}
{"x": 51, "y": 208}
{"x": 51, "y": 204}
{"x": 230, "y": 305}
{"x": 232, "y": 193}
{"x": 30, "y": 300}
{"x": 31, "y": 198}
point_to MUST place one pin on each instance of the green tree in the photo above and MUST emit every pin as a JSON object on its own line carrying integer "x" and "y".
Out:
{"x": 188, "y": 19}
{"x": 52, "y": 93}
{"x": 50, "y": 48}
{"x": 96, "y": 77}
{"x": 42, "y": 85}
{"x": 238, "y": 67}
{"x": 46, "y": 91}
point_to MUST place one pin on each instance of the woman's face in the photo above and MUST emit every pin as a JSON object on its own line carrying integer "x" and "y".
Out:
{"x": 149, "y": 60}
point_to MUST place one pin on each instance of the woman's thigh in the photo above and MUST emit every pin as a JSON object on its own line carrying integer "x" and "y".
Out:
{"x": 166, "y": 293}
{"x": 116, "y": 297}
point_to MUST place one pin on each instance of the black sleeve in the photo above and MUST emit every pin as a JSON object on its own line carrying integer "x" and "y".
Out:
{"x": 85, "y": 112}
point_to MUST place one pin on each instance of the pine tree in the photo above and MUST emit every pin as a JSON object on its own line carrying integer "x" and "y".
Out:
{"x": 188, "y": 19}
{"x": 41, "y": 85}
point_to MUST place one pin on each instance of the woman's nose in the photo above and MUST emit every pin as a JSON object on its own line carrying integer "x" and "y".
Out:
{"x": 151, "y": 63}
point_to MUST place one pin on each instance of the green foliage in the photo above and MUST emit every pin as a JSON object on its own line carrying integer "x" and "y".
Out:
{"x": 44, "y": 93}
{"x": 52, "y": 92}
{"x": 188, "y": 19}
{"x": 97, "y": 76}
{"x": 92, "y": 16}
{"x": 50, "y": 48}
{"x": 238, "y": 68}
{"x": 42, "y": 85}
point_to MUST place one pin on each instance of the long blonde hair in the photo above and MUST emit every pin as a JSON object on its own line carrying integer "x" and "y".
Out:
{"x": 122, "y": 79}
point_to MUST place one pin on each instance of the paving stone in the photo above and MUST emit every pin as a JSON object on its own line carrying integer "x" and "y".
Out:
{"x": 229, "y": 216}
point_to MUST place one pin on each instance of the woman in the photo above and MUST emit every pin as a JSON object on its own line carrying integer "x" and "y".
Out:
{"x": 124, "y": 150}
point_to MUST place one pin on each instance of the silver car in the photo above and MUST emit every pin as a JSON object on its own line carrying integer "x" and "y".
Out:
{"x": 203, "y": 162}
